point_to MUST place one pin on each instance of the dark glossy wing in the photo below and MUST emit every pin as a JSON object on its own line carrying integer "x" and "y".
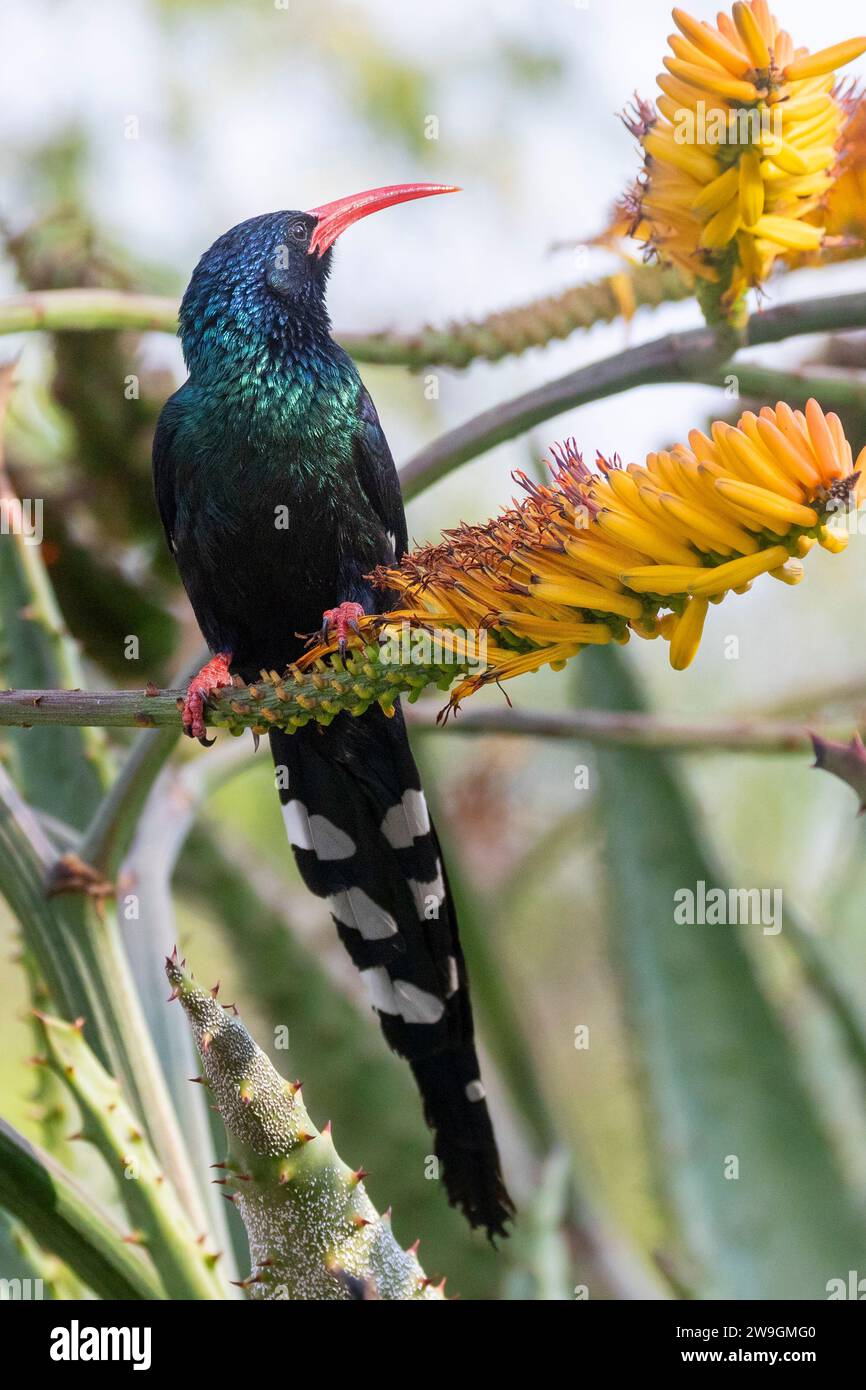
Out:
{"x": 164, "y": 470}
{"x": 377, "y": 473}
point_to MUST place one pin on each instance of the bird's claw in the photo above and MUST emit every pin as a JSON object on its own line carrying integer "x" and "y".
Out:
{"x": 340, "y": 621}
{"x": 213, "y": 676}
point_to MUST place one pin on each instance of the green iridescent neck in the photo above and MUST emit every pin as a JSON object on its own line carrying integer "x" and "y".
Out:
{"x": 270, "y": 384}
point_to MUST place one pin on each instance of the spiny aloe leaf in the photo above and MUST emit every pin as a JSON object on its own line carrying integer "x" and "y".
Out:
{"x": 62, "y": 1217}
{"x": 754, "y": 1190}
{"x": 160, "y": 1224}
{"x": 313, "y": 1231}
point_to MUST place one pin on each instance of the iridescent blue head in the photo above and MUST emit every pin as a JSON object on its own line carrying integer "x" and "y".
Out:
{"x": 256, "y": 299}
{"x": 257, "y": 295}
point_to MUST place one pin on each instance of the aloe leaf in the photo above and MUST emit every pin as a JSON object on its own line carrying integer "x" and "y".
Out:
{"x": 61, "y": 1216}
{"x": 755, "y": 1197}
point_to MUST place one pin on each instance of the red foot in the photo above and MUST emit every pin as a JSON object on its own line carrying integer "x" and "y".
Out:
{"x": 339, "y": 622}
{"x": 211, "y": 677}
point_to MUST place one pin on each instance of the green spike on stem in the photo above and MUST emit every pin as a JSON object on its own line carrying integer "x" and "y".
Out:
{"x": 363, "y": 677}
{"x": 157, "y": 1220}
{"x": 314, "y": 1234}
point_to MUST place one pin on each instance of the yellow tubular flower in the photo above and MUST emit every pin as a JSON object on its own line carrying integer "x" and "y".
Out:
{"x": 845, "y": 214}
{"x": 687, "y": 634}
{"x": 599, "y": 554}
{"x": 741, "y": 153}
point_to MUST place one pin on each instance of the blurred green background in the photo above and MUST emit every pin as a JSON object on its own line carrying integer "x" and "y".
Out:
{"x": 705, "y": 1043}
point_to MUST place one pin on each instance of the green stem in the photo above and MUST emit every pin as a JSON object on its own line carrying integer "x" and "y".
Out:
{"x": 109, "y": 836}
{"x": 497, "y": 335}
{"x": 679, "y": 357}
{"x": 79, "y": 310}
{"x": 692, "y": 356}
{"x": 128, "y": 708}
{"x": 110, "y": 833}
{"x": 767, "y": 385}
{"x": 510, "y": 332}
{"x": 627, "y": 729}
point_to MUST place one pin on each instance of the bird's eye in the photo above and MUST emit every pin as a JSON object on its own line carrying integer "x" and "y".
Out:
{"x": 298, "y": 231}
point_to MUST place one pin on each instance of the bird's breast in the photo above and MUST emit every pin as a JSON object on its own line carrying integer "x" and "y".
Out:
{"x": 272, "y": 527}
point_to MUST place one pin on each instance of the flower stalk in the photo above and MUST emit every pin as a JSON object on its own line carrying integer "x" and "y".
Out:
{"x": 596, "y": 556}
{"x": 601, "y": 554}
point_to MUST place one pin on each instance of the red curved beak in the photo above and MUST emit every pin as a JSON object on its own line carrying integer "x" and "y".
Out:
{"x": 335, "y": 217}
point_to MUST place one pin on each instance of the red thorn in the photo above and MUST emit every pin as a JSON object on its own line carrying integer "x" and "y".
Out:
{"x": 358, "y": 1176}
{"x": 229, "y": 1196}
{"x": 206, "y": 1040}
{"x": 219, "y": 1165}
{"x": 215, "y": 990}
{"x": 174, "y": 995}
{"x": 360, "y": 1222}
{"x": 219, "y": 1182}
{"x": 327, "y": 1129}
{"x": 414, "y": 1247}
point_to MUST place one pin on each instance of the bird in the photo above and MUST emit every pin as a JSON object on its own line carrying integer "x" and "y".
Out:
{"x": 279, "y": 497}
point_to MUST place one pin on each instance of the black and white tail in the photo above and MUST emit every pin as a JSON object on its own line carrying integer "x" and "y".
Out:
{"x": 362, "y": 838}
